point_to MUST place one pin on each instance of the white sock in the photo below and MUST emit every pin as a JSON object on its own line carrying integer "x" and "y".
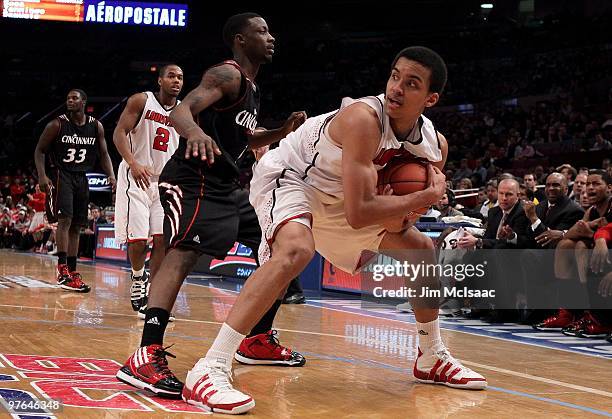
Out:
{"x": 223, "y": 348}
{"x": 138, "y": 273}
{"x": 429, "y": 337}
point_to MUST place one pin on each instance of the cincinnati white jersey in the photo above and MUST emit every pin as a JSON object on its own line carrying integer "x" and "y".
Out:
{"x": 310, "y": 152}
{"x": 153, "y": 140}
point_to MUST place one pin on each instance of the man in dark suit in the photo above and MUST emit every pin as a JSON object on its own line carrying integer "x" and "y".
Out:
{"x": 549, "y": 221}
{"x": 507, "y": 223}
{"x": 506, "y": 229}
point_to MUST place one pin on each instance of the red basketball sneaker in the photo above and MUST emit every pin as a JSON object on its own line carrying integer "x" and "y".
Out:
{"x": 208, "y": 385}
{"x": 63, "y": 273}
{"x": 448, "y": 371}
{"x": 592, "y": 328}
{"x": 575, "y": 326}
{"x": 72, "y": 281}
{"x": 264, "y": 349}
{"x": 147, "y": 369}
{"x": 556, "y": 322}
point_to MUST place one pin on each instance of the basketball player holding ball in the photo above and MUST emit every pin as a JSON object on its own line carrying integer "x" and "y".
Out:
{"x": 318, "y": 190}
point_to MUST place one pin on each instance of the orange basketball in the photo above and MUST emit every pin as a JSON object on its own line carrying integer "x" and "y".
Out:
{"x": 405, "y": 177}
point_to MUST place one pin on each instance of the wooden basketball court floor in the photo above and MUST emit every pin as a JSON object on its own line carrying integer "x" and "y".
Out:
{"x": 67, "y": 346}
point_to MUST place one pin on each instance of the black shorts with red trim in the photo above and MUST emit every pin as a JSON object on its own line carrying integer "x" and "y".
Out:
{"x": 201, "y": 216}
{"x": 68, "y": 197}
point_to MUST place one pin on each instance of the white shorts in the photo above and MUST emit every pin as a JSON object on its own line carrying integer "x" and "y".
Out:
{"x": 280, "y": 195}
{"x": 138, "y": 214}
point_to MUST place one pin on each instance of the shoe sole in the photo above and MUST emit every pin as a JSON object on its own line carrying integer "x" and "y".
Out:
{"x": 135, "y": 382}
{"x": 596, "y": 335}
{"x": 548, "y": 329}
{"x": 250, "y": 361}
{"x": 141, "y": 316}
{"x": 66, "y": 287}
{"x": 472, "y": 385}
{"x": 235, "y": 411}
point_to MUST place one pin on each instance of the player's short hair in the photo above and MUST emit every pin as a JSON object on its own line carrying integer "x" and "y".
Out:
{"x": 235, "y": 25}
{"x": 81, "y": 92}
{"x": 429, "y": 59}
{"x": 605, "y": 176}
{"x": 164, "y": 68}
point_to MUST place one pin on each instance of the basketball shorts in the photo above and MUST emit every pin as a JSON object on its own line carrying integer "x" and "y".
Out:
{"x": 280, "y": 195}
{"x": 68, "y": 197}
{"x": 208, "y": 222}
{"x": 138, "y": 213}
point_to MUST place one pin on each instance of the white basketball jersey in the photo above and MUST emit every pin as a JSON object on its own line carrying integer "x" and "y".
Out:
{"x": 153, "y": 140}
{"x": 310, "y": 151}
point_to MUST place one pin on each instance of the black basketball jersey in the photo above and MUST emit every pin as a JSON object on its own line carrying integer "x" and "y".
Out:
{"x": 75, "y": 148}
{"x": 230, "y": 125}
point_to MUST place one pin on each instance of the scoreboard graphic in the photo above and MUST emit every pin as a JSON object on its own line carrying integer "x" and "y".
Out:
{"x": 98, "y": 11}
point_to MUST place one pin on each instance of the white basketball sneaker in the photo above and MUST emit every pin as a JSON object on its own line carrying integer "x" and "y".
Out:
{"x": 441, "y": 368}
{"x": 208, "y": 385}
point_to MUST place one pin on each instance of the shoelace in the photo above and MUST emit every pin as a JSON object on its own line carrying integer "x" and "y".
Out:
{"x": 139, "y": 289}
{"x": 76, "y": 277}
{"x": 160, "y": 362}
{"x": 445, "y": 356}
{"x": 273, "y": 339}
{"x": 221, "y": 378}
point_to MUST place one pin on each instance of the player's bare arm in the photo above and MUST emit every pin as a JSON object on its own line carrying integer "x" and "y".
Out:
{"x": 44, "y": 143}
{"x": 127, "y": 121}
{"x": 358, "y": 131}
{"x": 105, "y": 160}
{"x": 263, "y": 137}
{"x": 219, "y": 82}
{"x": 444, "y": 149}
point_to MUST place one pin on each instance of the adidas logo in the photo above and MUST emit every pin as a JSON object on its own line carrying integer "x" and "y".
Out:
{"x": 422, "y": 332}
{"x": 196, "y": 239}
{"x": 153, "y": 320}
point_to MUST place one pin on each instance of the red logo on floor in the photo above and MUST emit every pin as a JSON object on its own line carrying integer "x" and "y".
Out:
{"x": 76, "y": 382}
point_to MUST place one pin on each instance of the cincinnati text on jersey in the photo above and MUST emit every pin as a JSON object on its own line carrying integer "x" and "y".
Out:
{"x": 75, "y": 139}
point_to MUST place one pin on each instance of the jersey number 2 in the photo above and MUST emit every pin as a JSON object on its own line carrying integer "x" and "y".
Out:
{"x": 161, "y": 139}
{"x": 70, "y": 157}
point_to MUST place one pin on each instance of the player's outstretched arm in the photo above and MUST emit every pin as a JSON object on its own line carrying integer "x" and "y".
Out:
{"x": 105, "y": 160}
{"x": 44, "y": 143}
{"x": 127, "y": 121}
{"x": 357, "y": 129}
{"x": 263, "y": 137}
{"x": 218, "y": 82}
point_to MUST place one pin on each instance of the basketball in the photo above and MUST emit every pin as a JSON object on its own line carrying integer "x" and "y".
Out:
{"x": 405, "y": 177}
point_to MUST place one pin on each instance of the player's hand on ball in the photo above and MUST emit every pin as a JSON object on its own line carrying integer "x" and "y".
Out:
{"x": 436, "y": 183}
{"x": 200, "y": 144}
{"x": 141, "y": 175}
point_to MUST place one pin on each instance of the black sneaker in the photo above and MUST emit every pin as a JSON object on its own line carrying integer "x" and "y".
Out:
{"x": 139, "y": 291}
{"x": 147, "y": 369}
